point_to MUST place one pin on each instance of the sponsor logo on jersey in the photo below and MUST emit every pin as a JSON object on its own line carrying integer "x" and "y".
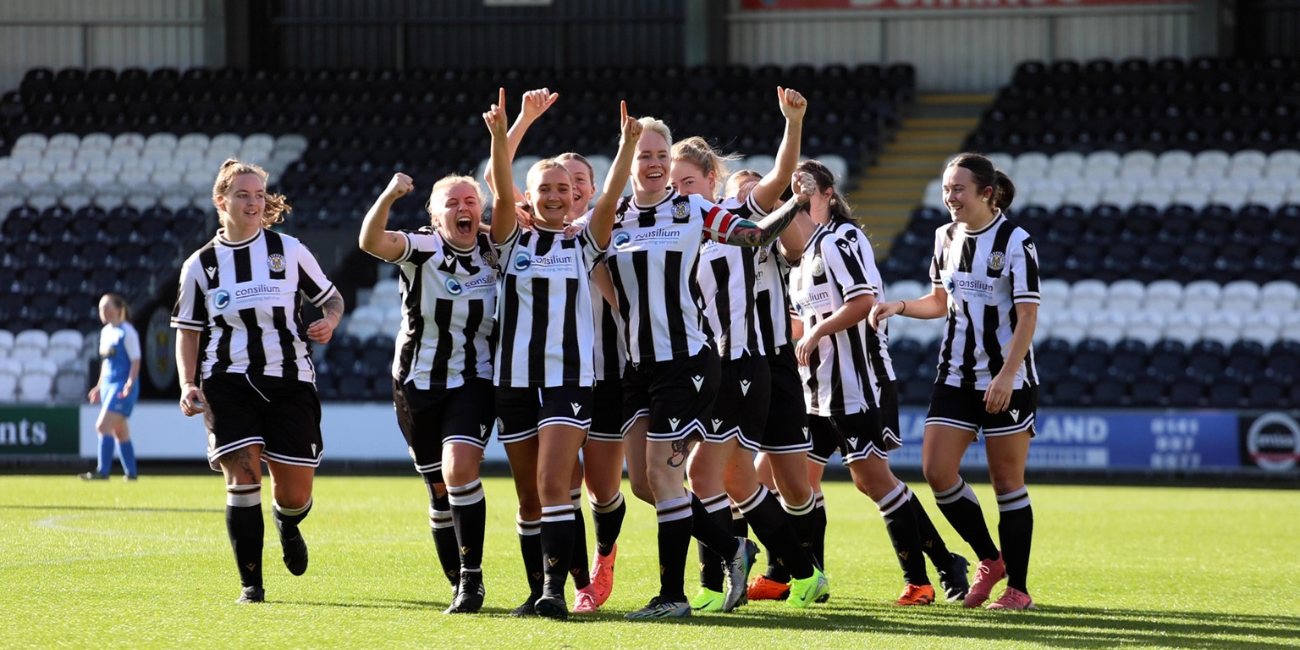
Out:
{"x": 453, "y": 286}
{"x": 621, "y": 239}
{"x": 523, "y": 261}
{"x": 275, "y": 262}
{"x": 220, "y": 299}
{"x": 997, "y": 260}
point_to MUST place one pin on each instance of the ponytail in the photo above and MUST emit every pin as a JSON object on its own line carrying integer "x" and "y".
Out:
{"x": 1004, "y": 191}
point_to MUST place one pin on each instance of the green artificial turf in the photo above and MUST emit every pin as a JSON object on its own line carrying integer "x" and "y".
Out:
{"x": 147, "y": 564}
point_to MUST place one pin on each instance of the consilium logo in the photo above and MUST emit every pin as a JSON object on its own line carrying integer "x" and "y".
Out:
{"x": 221, "y": 299}
{"x": 453, "y": 286}
{"x": 523, "y": 261}
{"x": 621, "y": 239}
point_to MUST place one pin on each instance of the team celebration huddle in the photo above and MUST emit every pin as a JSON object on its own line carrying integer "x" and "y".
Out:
{"x": 720, "y": 333}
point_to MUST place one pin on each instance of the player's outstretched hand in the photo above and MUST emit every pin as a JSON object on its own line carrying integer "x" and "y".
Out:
{"x": 630, "y": 127}
{"x": 793, "y": 104}
{"x": 400, "y": 186}
{"x": 535, "y": 103}
{"x": 495, "y": 118}
{"x": 882, "y": 310}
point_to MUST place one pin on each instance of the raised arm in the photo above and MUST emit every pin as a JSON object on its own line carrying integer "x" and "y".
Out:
{"x": 793, "y": 107}
{"x": 602, "y": 216}
{"x": 747, "y": 233}
{"x": 535, "y": 102}
{"x": 503, "y": 207}
{"x": 374, "y": 239}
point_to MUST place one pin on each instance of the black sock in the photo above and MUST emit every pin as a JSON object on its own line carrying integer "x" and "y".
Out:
{"x": 962, "y": 509}
{"x": 716, "y": 536}
{"x": 1016, "y": 530}
{"x": 675, "y": 526}
{"x": 718, "y": 510}
{"x": 608, "y": 518}
{"x": 557, "y": 547}
{"x": 773, "y": 529}
{"x": 530, "y": 546}
{"x": 287, "y": 519}
{"x": 900, "y": 521}
{"x": 578, "y": 564}
{"x": 444, "y": 531}
{"x": 819, "y": 530}
{"x": 469, "y": 513}
{"x": 805, "y": 524}
{"x": 739, "y": 527}
{"x": 931, "y": 542}
{"x": 245, "y": 527}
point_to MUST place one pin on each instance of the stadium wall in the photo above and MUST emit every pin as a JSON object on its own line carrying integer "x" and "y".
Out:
{"x": 960, "y": 45}
{"x": 107, "y": 33}
{"x": 1071, "y": 440}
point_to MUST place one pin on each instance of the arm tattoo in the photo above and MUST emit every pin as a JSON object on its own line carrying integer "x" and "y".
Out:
{"x": 748, "y": 233}
{"x": 333, "y": 306}
{"x": 680, "y": 451}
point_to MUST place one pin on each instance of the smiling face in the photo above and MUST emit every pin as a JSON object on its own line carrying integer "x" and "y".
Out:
{"x": 688, "y": 178}
{"x": 243, "y": 206}
{"x": 963, "y": 197}
{"x": 650, "y": 173}
{"x": 550, "y": 192}
{"x": 456, "y": 211}
{"x": 583, "y": 187}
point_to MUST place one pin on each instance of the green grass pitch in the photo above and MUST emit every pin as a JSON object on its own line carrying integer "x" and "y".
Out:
{"x": 100, "y": 565}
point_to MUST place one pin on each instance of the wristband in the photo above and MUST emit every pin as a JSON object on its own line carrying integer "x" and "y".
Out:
{"x": 903, "y": 310}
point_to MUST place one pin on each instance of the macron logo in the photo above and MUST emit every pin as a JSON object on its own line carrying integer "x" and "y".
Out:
{"x": 716, "y": 424}
{"x": 1015, "y": 415}
{"x": 673, "y": 422}
{"x": 805, "y": 433}
{"x": 576, "y": 407}
{"x": 699, "y": 381}
{"x": 482, "y": 431}
{"x": 211, "y": 271}
{"x": 853, "y": 442}
{"x": 744, "y": 387}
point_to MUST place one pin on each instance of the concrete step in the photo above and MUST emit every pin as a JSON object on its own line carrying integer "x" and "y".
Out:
{"x": 932, "y": 162}
{"x": 922, "y": 147}
{"x": 910, "y": 184}
{"x": 976, "y": 99}
{"x": 968, "y": 123}
{"x": 909, "y": 173}
{"x": 930, "y": 135}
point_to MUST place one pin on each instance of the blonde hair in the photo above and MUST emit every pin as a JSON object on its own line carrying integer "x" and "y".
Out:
{"x": 697, "y": 151}
{"x": 276, "y": 206}
{"x": 541, "y": 167}
{"x": 446, "y": 182}
{"x": 649, "y": 124}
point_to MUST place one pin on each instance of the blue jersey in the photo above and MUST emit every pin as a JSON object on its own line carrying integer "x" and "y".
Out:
{"x": 119, "y": 345}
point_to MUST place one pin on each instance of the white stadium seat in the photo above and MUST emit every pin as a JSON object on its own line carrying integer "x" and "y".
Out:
{"x": 1087, "y": 296}
{"x": 1054, "y": 294}
{"x": 1202, "y": 295}
{"x": 6, "y": 341}
{"x": 1125, "y": 296}
{"x": 1262, "y": 327}
{"x": 906, "y": 290}
{"x": 10, "y": 372}
{"x": 1239, "y": 296}
{"x": 1146, "y": 326}
{"x": 1109, "y": 326}
{"x": 1184, "y": 326}
{"x": 1278, "y": 296}
{"x": 37, "y": 380}
{"x": 30, "y": 344}
{"x": 1222, "y": 326}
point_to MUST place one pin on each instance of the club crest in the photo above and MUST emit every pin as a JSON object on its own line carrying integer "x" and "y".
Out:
{"x": 997, "y": 260}
{"x": 275, "y": 262}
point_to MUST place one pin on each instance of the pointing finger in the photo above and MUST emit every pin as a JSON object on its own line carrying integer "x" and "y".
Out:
{"x": 502, "y": 98}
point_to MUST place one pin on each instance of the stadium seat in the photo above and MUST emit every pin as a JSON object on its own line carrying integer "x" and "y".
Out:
{"x": 37, "y": 380}
{"x": 10, "y": 371}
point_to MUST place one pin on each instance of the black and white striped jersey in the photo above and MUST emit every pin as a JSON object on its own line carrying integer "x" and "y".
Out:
{"x": 877, "y": 339}
{"x": 727, "y": 276}
{"x": 544, "y": 318}
{"x": 609, "y": 345}
{"x": 839, "y": 379}
{"x": 246, "y": 298}
{"x": 985, "y": 272}
{"x": 652, "y": 259}
{"x": 449, "y": 301}
{"x": 772, "y": 298}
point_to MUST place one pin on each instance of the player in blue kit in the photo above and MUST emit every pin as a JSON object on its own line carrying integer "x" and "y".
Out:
{"x": 118, "y": 387}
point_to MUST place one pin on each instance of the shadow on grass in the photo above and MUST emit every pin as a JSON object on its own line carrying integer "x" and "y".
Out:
{"x": 114, "y": 509}
{"x": 1055, "y": 626}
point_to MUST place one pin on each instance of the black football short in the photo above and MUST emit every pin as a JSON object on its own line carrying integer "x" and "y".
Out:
{"x": 282, "y": 415}
{"x": 963, "y": 408}
{"x": 435, "y": 417}
{"x": 856, "y": 436}
{"x": 740, "y": 410}
{"x": 787, "y": 419}
{"x": 522, "y": 412}
{"x": 607, "y": 410}
{"x": 676, "y": 395}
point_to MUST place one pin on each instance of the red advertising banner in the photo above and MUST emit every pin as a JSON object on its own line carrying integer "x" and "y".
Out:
{"x": 876, "y": 5}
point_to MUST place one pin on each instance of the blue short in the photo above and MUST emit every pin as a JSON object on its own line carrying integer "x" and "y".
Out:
{"x": 108, "y": 396}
